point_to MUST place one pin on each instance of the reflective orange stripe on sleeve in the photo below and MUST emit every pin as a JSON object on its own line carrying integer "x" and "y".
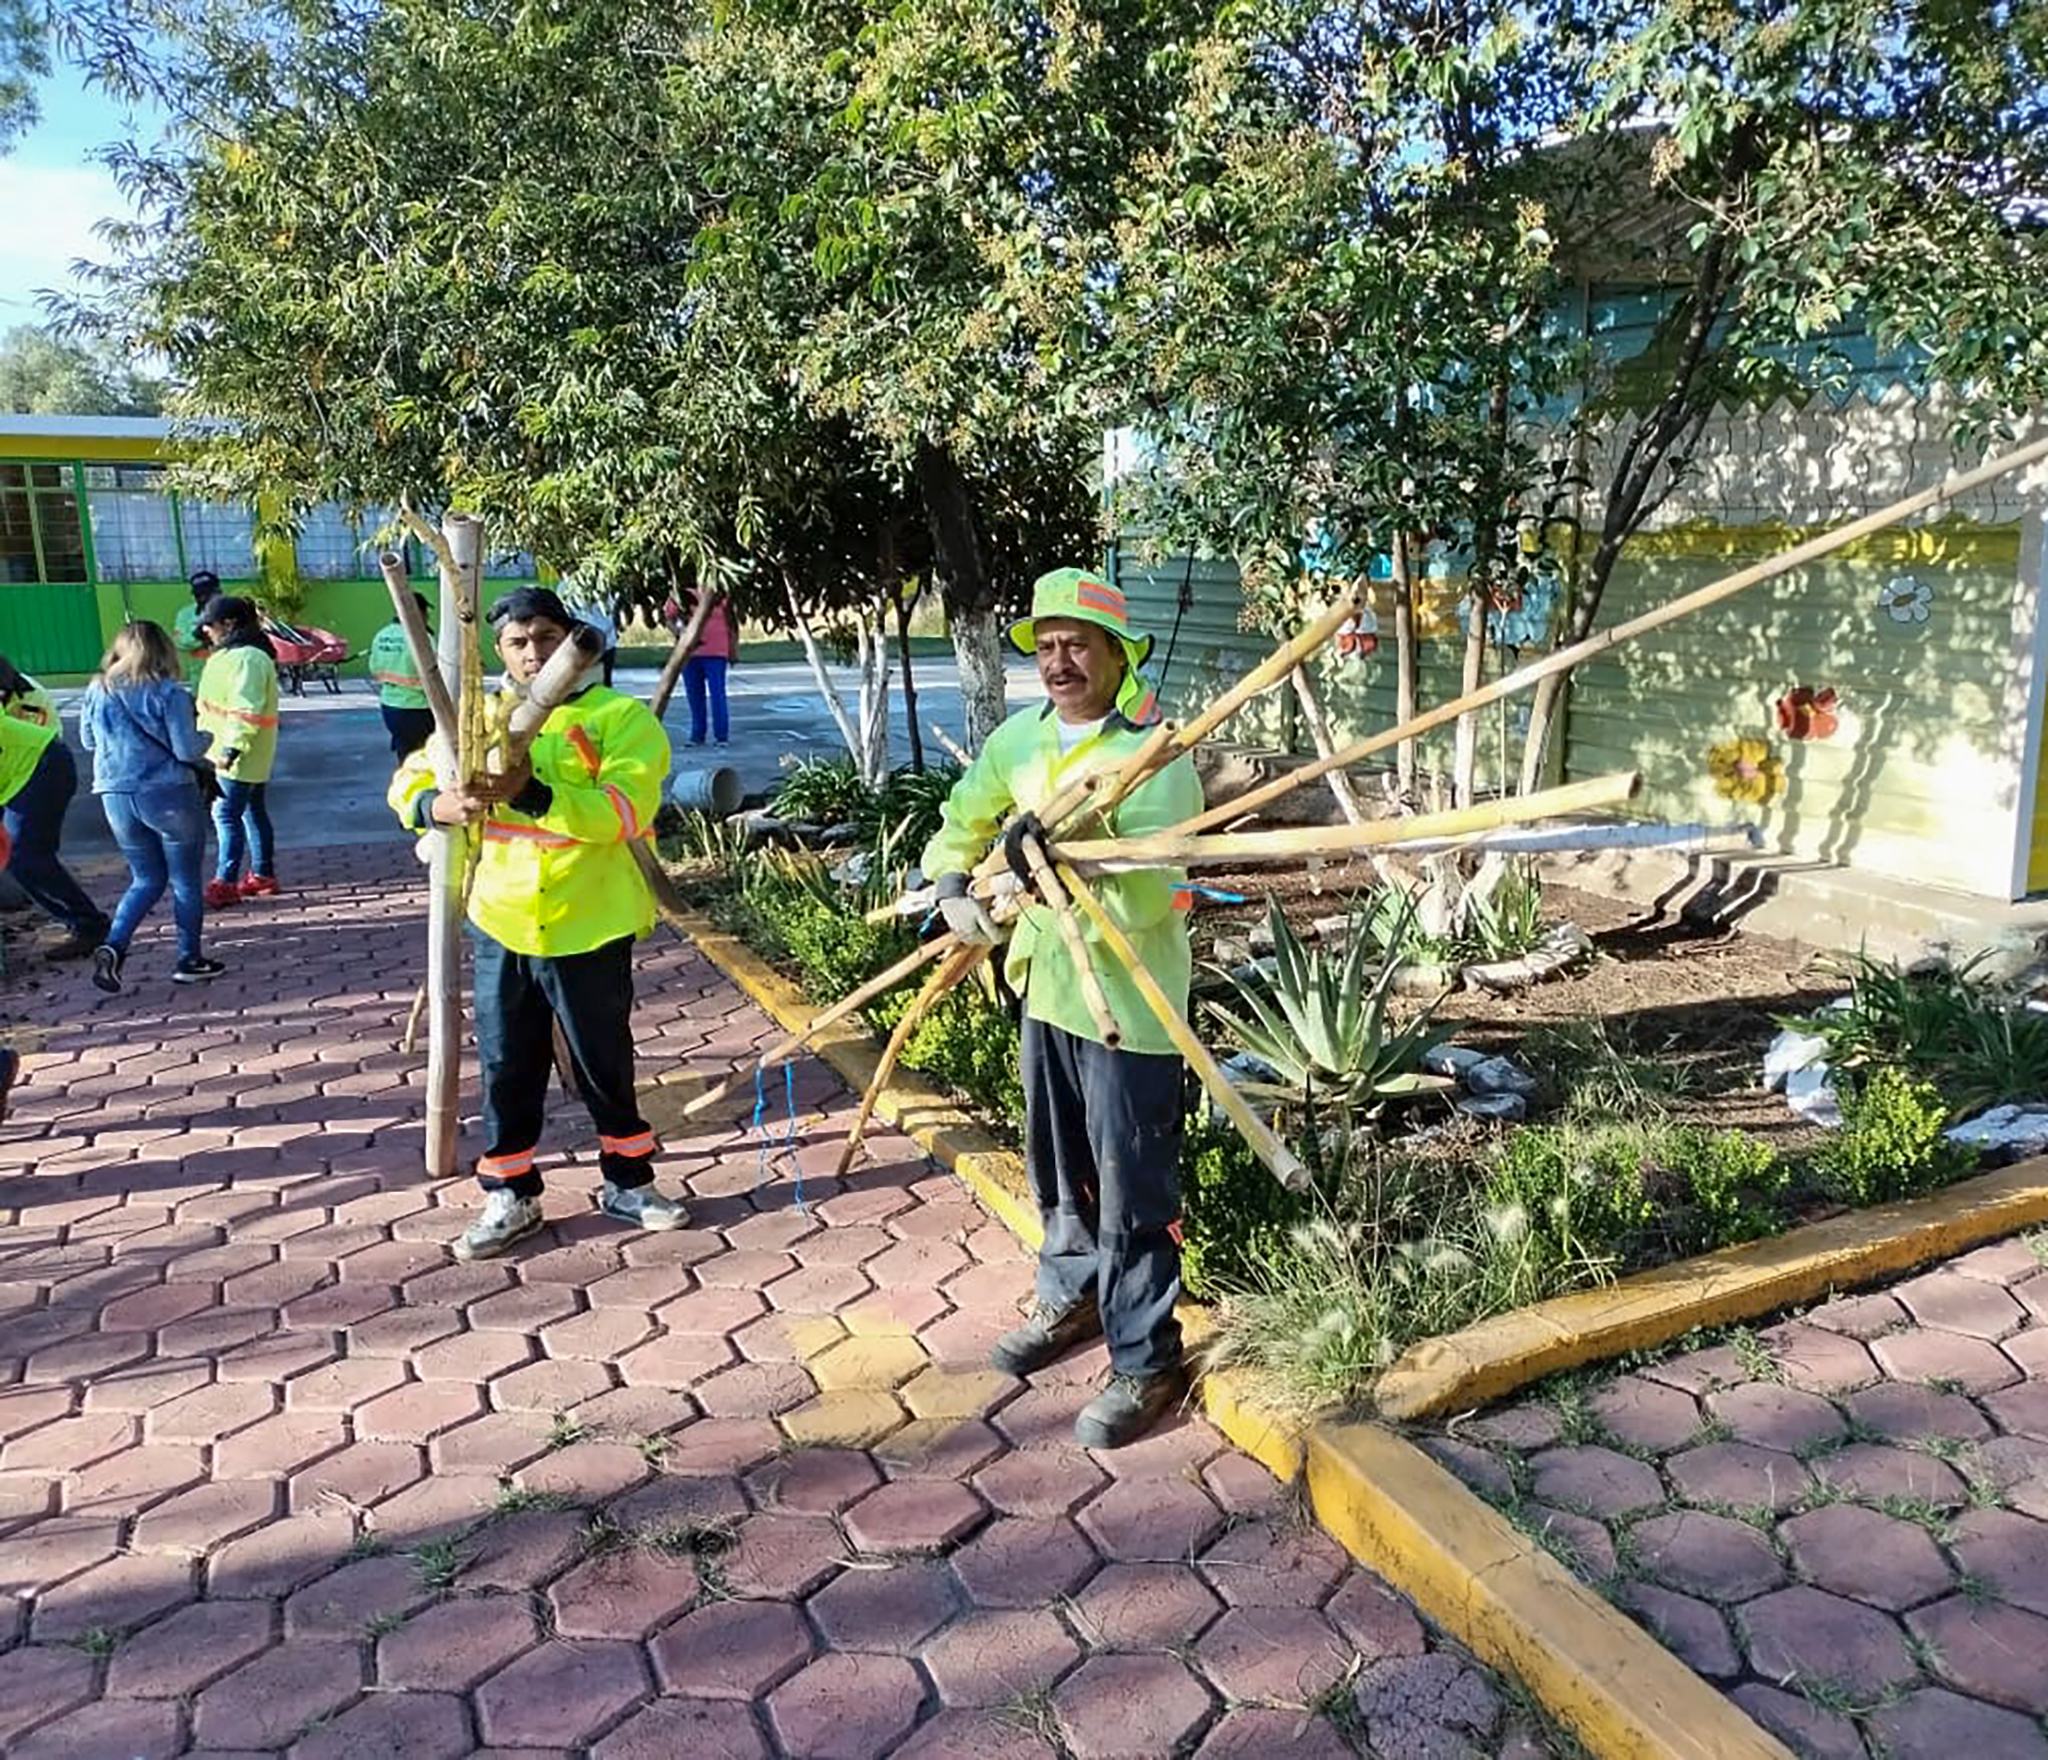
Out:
{"x": 506, "y": 831}
{"x": 248, "y": 715}
{"x": 629, "y": 820}
{"x": 585, "y": 750}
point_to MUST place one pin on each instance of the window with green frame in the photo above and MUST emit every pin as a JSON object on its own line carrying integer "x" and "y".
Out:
{"x": 134, "y": 529}
{"x": 41, "y": 537}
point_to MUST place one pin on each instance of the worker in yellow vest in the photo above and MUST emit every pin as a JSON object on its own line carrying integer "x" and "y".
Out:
{"x": 400, "y": 697}
{"x": 237, "y": 699}
{"x": 1102, "y": 1125}
{"x": 186, "y": 635}
{"x": 557, "y": 903}
{"x": 38, "y": 777}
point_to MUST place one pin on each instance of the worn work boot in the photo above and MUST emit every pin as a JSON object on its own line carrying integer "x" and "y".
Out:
{"x": 642, "y": 1206}
{"x": 1127, "y": 1407}
{"x": 506, "y": 1218}
{"x": 1047, "y": 1333}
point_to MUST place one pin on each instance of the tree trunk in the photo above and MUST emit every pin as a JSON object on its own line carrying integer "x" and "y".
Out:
{"x": 1319, "y": 733}
{"x": 903, "y": 607}
{"x": 835, "y": 704}
{"x": 1465, "y": 759}
{"x": 871, "y": 639}
{"x": 678, "y": 656}
{"x": 965, "y": 588}
{"x": 1404, "y": 665}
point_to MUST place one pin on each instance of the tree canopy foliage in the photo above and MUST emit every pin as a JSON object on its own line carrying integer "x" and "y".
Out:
{"x": 42, "y": 374}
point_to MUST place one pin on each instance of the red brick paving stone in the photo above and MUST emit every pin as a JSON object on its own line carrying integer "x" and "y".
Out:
{"x": 755, "y": 1390}
{"x": 417, "y": 1413}
{"x": 1647, "y": 1414}
{"x": 676, "y": 1359}
{"x": 1373, "y": 1620}
{"x": 117, "y": 1596}
{"x": 515, "y": 1552}
{"x": 1875, "y": 1471}
{"x": 815, "y": 1481}
{"x": 1146, "y": 1607}
{"x": 1177, "y": 1449}
{"x": 1146, "y": 1521}
{"x": 1262, "y": 1564}
{"x": 343, "y": 1386}
{"x": 1928, "y": 1354}
{"x": 2028, "y": 1349}
{"x": 134, "y": 1729}
{"x": 686, "y": 1729}
{"x": 1039, "y": 1481}
{"x": 23, "y": 1409}
{"x": 974, "y": 1735}
{"x": 710, "y": 1311}
{"x": 845, "y": 1246}
{"x": 1936, "y": 1725}
{"x": 820, "y": 1289}
{"x": 992, "y": 1659}
{"x": 1990, "y": 1651}
{"x": 1594, "y": 1481}
{"x": 1708, "y": 1555}
{"x": 206, "y": 1516}
{"x": 87, "y": 1356}
{"x": 1870, "y": 1557}
{"x": 549, "y": 1387}
{"x": 440, "y": 1505}
{"x": 41, "y": 1682}
{"x": 397, "y": 1331}
{"x": 70, "y": 1443}
{"x": 2022, "y": 1410}
{"x": 673, "y": 1500}
{"x": 1807, "y": 1729}
{"x": 560, "y": 1693}
{"x": 277, "y": 1559}
{"x": 2033, "y": 1294}
{"x": 908, "y": 1516}
{"x": 742, "y": 1268}
{"x": 1240, "y": 1485}
{"x": 633, "y": 1412}
{"x": 1022, "y": 1562}
{"x": 623, "y": 1594}
{"x": 2008, "y": 1551}
{"x": 1899, "y": 1412}
{"x": 585, "y": 1472}
{"x": 637, "y": 1291}
{"x": 1770, "y": 1416}
{"x": 721, "y": 1445}
{"x": 782, "y": 1555}
{"x": 1261, "y": 1735}
{"x": 601, "y": 1336}
{"x": 1272, "y": 1656}
{"x": 1421, "y": 1707}
{"x": 455, "y": 1286}
{"x": 2016, "y": 1467}
{"x": 1865, "y": 1317}
{"x": 455, "y": 1644}
{"x": 846, "y": 1707}
{"x": 30, "y": 1496}
{"x": 405, "y": 1726}
{"x": 159, "y": 1305}
{"x": 1129, "y": 1707}
{"x": 472, "y": 1356}
{"x": 892, "y": 1610}
{"x": 1821, "y": 1637}
{"x": 1582, "y": 1545}
{"x": 339, "y": 1305}
{"x": 497, "y": 1442}
{"x": 44, "y": 1553}
{"x": 1693, "y": 1631}
{"x": 525, "y": 1309}
{"x": 362, "y": 1473}
{"x": 268, "y": 1702}
{"x": 343, "y": 1603}
{"x": 128, "y": 1482}
{"x": 1817, "y": 1360}
{"x": 1960, "y": 1304}
{"x": 731, "y": 1649}
{"x": 1481, "y": 1469}
{"x": 183, "y": 1651}
{"x": 1738, "y": 1475}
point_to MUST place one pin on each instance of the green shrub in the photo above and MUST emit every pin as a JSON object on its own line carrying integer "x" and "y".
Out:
{"x": 822, "y": 791}
{"x": 906, "y": 810}
{"x": 1890, "y": 1144}
{"x": 1733, "y": 1185}
{"x": 969, "y": 1042}
{"x": 1236, "y": 1218}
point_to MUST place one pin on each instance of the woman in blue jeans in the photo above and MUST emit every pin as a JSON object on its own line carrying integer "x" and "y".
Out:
{"x": 137, "y": 720}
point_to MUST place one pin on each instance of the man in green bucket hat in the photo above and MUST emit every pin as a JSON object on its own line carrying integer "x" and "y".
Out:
{"x": 1102, "y": 1123}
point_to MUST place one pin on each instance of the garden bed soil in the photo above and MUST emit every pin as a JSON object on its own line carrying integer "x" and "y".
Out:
{"x": 1698, "y": 1002}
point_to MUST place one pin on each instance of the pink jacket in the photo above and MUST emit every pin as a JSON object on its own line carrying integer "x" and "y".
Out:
{"x": 718, "y": 640}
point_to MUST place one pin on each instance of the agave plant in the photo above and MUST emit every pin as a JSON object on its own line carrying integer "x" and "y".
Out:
{"x": 1321, "y": 1023}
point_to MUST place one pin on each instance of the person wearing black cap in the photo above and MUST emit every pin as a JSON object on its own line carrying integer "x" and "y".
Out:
{"x": 193, "y": 647}
{"x": 556, "y": 905}
{"x": 238, "y": 706}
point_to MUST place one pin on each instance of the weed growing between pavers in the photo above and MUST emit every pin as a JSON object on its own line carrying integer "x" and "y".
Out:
{"x": 516, "y": 1500}
{"x": 566, "y": 1431}
{"x": 440, "y": 1562}
{"x": 97, "y": 1642}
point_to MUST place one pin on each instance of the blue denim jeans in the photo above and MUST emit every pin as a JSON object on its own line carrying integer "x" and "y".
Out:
{"x": 243, "y": 822}
{"x": 35, "y": 821}
{"x": 705, "y": 676}
{"x": 162, "y": 832}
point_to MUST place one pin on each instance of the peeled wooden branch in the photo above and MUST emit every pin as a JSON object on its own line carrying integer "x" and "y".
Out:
{"x": 679, "y": 655}
{"x": 1564, "y": 659}
{"x": 419, "y": 644}
{"x": 1055, "y": 896}
{"x": 963, "y": 958}
{"x": 1286, "y": 1166}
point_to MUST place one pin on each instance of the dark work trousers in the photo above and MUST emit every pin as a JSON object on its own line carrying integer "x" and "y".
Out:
{"x": 35, "y": 821}
{"x": 1102, "y": 1136}
{"x": 409, "y": 729}
{"x": 519, "y": 996}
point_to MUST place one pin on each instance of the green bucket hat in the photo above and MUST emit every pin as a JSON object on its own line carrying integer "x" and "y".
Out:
{"x": 1086, "y": 597}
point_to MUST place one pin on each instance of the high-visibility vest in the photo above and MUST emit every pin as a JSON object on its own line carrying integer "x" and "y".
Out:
{"x": 392, "y": 670}
{"x": 238, "y": 706}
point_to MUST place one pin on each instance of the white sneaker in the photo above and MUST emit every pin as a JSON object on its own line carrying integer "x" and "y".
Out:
{"x": 506, "y": 1218}
{"x": 642, "y": 1206}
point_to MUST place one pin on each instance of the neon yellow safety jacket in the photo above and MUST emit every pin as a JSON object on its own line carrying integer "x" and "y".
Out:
{"x": 238, "y": 705}
{"x": 392, "y": 670}
{"x": 188, "y": 637}
{"x": 1021, "y": 768}
{"x": 35, "y": 705}
{"x": 22, "y": 745}
{"x": 563, "y": 881}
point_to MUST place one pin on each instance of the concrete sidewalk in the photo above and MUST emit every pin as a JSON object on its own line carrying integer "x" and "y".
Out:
{"x": 278, "y": 1475}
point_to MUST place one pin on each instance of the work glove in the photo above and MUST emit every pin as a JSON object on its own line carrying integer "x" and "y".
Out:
{"x": 1023, "y": 826}
{"x": 965, "y": 915}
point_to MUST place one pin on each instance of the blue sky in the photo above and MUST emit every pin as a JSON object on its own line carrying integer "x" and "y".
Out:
{"x": 52, "y": 193}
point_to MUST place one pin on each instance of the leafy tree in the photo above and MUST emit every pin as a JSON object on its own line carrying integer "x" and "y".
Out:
{"x": 41, "y": 374}
{"x": 24, "y": 58}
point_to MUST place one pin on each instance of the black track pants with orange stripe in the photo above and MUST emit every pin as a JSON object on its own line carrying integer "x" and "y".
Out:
{"x": 518, "y": 998}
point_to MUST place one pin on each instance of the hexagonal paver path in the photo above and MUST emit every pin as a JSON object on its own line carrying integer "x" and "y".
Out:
{"x": 1848, "y": 1510}
{"x": 279, "y": 1476}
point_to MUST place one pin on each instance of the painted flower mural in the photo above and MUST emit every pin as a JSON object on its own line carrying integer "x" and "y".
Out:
{"x": 1906, "y": 598}
{"x": 1744, "y": 770}
{"x": 1806, "y": 713}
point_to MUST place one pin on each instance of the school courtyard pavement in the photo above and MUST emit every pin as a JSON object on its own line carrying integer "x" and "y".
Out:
{"x": 279, "y": 1477}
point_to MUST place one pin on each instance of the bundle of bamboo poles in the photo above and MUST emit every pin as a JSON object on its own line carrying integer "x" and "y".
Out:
{"x": 1058, "y": 862}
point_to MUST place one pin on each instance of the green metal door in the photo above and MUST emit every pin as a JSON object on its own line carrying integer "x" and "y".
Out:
{"x": 49, "y": 613}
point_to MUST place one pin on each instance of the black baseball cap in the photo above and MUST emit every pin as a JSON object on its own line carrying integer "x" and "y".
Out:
{"x": 523, "y": 604}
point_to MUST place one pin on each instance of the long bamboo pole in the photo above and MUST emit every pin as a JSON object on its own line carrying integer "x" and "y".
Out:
{"x": 963, "y": 958}
{"x": 419, "y": 644}
{"x": 912, "y": 961}
{"x": 1286, "y": 1166}
{"x": 678, "y": 656}
{"x": 1055, "y": 896}
{"x": 1177, "y": 848}
{"x": 1564, "y": 659}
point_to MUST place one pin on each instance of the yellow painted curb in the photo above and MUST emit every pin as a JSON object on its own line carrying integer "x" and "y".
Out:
{"x": 1386, "y": 1501}
{"x": 1468, "y": 1368}
{"x": 1516, "y": 1607}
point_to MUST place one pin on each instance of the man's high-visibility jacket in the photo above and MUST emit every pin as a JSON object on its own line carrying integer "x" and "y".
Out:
{"x": 392, "y": 670}
{"x": 563, "y": 881}
{"x": 22, "y": 745}
{"x": 238, "y": 705}
{"x": 1022, "y": 767}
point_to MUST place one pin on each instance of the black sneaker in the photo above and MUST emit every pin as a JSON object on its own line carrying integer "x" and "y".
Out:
{"x": 106, "y": 968}
{"x": 1048, "y": 1333}
{"x": 196, "y": 971}
{"x": 1127, "y": 1407}
{"x": 76, "y": 946}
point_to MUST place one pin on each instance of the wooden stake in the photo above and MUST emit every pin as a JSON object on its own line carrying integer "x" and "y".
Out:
{"x": 679, "y": 655}
{"x": 876, "y": 986}
{"x": 419, "y": 644}
{"x": 1286, "y": 1166}
{"x": 964, "y": 957}
{"x": 1055, "y": 895}
{"x": 1564, "y": 659}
